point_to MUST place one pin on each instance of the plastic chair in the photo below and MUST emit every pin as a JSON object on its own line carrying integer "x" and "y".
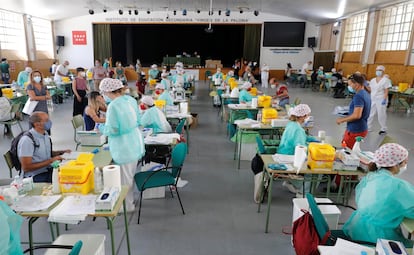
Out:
{"x": 207, "y": 74}
{"x": 74, "y": 249}
{"x": 180, "y": 127}
{"x": 8, "y": 158}
{"x": 78, "y": 124}
{"x": 167, "y": 176}
{"x": 266, "y": 149}
{"x": 14, "y": 117}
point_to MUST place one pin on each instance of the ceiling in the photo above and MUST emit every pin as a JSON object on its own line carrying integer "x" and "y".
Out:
{"x": 317, "y": 11}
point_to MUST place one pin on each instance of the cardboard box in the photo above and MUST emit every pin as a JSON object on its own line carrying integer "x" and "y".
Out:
{"x": 194, "y": 124}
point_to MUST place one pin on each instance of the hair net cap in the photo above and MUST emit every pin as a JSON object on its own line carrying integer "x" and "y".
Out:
{"x": 109, "y": 85}
{"x": 28, "y": 69}
{"x": 390, "y": 154}
{"x": 159, "y": 86}
{"x": 300, "y": 110}
{"x": 154, "y": 66}
{"x": 247, "y": 85}
{"x": 147, "y": 100}
{"x": 382, "y": 68}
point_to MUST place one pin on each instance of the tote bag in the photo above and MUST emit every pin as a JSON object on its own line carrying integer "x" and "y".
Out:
{"x": 29, "y": 107}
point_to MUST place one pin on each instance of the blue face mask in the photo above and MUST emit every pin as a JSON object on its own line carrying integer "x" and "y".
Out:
{"x": 37, "y": 79}
{"x": 107, "y": 99}
{"x": 378, "y": 73}
{"x": 350, "y": 89}
{"x": 48, "y": 125}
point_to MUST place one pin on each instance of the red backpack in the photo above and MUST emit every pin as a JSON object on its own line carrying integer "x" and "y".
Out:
{"x": 305, "y": 237}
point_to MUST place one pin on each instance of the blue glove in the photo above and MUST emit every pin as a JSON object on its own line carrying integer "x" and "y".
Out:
{"x": 277, "y": 166}
{"x": 384, "y": 102}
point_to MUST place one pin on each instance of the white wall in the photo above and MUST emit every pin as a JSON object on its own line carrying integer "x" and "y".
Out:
{"x": 82, "y": 55}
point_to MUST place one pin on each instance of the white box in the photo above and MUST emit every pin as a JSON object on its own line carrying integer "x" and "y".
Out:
{"x": 91, "y": 138}
{"x": 153, "y": 192}
{"x": 93, "y": 244}
{"x": 384, "y": 247}
{"x": 248, "y": 151}
{"x": 331, "y": 212}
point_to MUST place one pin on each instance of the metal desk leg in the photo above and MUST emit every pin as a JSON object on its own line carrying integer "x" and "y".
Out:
{"x": 235, "y": 144}
{"x": 126, "y": 228}
{"x": 341, "y": 184}
{"x": 263, "y": 189}
{"x": 109, "y": 220}
{"x": 31, "y": 221}
{"x": 269, "y": 203}
{"x": 240, "y": 147}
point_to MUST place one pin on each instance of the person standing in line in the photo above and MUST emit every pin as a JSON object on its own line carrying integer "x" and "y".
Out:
{"x": 80, "y": 89}
{"x": 264, "y": 76}
{"x": 359, "y": 110}
{"x": 98, "y": 73}
{"x": 379, "y": 96}
{"x": 53, "y": 68}
{"x": 5, "y": 71}
{"x": 306, "y": 69}
{"x": 126, "y": 142}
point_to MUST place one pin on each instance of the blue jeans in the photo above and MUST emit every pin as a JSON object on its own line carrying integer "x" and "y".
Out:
{"x": 43, "y": 177}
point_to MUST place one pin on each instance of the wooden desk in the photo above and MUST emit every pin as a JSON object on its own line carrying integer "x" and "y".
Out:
{"x": 110, "y": 216}
{"x": 226, "y": 99}
{"x": 273, "y": 175}
{"x": 102, "y": 158}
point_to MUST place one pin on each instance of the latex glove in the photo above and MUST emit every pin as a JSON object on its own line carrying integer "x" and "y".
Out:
{"x": 384, "y": 102}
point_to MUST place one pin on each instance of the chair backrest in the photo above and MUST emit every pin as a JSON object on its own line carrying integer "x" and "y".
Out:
{"x": 179, "y": 128}
{"x": 177, "y": 158}
{"x": 297, "y": 101}
{"x": 77, "y": 123}
{"x": 15, "y": 108}
{"x": 249, "y": 114}
{"x": 320, "y": 223}
{"x": 76, "y": 248}
{"x": 260, "y": 145}
{"x": 8, "y": 158}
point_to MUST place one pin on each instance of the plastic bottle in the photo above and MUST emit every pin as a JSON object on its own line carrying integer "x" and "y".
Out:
{"x": 259, "y": 116}
{"x": 55, "y": 178}
{"x": 18, "y": 184}
{"x": 98, "y": 180}
{"x": 356, "y": 148}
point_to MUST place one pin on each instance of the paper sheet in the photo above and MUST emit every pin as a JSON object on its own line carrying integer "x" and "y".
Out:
{"x": 34, "y": 203}
{"x": 73, "y": 209}
{"x": 161, "y": 138}
{"x": 283, "y": 159}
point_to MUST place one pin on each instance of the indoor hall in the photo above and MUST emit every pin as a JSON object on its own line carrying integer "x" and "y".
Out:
{"x": 221, "y": 216}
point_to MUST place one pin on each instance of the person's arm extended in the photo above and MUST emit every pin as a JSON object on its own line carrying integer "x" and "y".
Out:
{"x": 29, "y": 166}
{"x": 356, "y": 115}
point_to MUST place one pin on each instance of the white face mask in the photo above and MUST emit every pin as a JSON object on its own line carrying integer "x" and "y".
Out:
{"x": 402, "y": 169}
{"x": 307, "y": 119}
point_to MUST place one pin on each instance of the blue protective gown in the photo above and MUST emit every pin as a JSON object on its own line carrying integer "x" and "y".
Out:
{"x": 245, "y": 96}
{"x": 126, "y": 142}
{"x": 154, "y": 118}
{"x": 22, "y": 78}
{"x": 383, "y": 201}
{"x": 167, "y": 97}
{"x": 293, "y": 135}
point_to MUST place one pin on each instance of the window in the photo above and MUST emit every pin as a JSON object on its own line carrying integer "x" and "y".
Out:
{"x": 42, "y": 30}
{"x": 395, "y": 27}
{"x": 355, "y": 32}
{"x": 12, "y": 35}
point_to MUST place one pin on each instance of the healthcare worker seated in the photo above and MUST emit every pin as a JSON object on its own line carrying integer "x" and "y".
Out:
{"x": 294, "y": 135}
{"x": 163, "y": 94}
{"x": 383, "y": 199}
{"x": 244, "y": 95}
{"x": 153, "y": 117}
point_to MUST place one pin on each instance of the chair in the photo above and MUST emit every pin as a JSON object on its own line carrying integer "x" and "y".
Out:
{"x": 8, "y": 158}
{"x": 180, "y": 127}
{"x": 15, "y": 109}
{"x": 330, "y": 236}
{"x": 78, "y": 124}
{"x": 74, "y": 249}
{"x": 207, "y": 74}
{"x": 264, "y": 148}
{"x": 167, "y": 176}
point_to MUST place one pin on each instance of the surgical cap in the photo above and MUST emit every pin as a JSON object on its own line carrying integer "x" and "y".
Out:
{"x": 390, "y": 154}
{"x": 247, "y": 85}
{"x": 300, "y": 110}
{"x": 382, "y": 68}
{"x": 109, "y": 85}
{"x": 154, "y": 66}
{"x": 28, "y": 69}
{"x": 147, "y": 100}
{"x": 159, "y": 86}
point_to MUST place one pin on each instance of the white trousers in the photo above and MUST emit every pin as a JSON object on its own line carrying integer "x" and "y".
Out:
{"x": 127, "y": 178}
{"x": 265, "y": 80}
{"x": 381, "y": 110}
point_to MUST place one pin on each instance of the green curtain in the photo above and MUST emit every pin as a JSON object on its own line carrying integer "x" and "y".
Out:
{"x": 252, "y": 37}
{"x": 102, "y": 44}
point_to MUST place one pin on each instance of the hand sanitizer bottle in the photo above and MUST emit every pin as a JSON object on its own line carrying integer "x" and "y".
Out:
{"x": 55, "y": 178}
{"x": 356, "y": 149}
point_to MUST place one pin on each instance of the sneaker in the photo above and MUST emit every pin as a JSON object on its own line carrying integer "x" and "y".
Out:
{"x": 382, "y": 132}
{"x": 290, "y": 187}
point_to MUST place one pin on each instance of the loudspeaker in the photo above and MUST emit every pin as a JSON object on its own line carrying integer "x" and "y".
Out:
{"x": 311, "y": 42}
{"x": 60, "y": 40}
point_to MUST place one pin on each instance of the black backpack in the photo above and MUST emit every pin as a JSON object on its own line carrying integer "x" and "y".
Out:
{"x": 13, "y": 148}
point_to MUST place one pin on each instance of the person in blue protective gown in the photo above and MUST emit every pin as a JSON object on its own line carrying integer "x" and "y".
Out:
{"x": 153, "y": 117}
{"x": 244, "y": 95}
{"x": 163, "y": 94}
{"x": 126, "y": 142}
{"x": 383, "y": 200}
{"x": 294, "y": 135}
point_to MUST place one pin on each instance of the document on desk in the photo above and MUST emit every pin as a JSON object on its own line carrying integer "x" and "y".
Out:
{"x": 161, "y": 138}
{"x": 344, "y": 247}
{"x": 73, "y": 209}
{"x": 34, "y": 203}
{"x": 283, "y": 159}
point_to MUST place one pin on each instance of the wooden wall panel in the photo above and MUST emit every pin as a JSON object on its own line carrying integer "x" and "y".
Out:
{"x": 351, "y": 57}
{"x": 390, "y": 57}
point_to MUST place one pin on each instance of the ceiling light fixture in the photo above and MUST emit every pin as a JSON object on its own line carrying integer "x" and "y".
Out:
{"x": 175, "y": 12}
{"x": 136, "y": 12}
{"x": 120, "y": 12}
{"x": 105, "y": 10}
{"x": 91, "y": 12}
{"x": 198, "y": 11}
{"x": 256, "y": 13}
{"x": 148, "y": 12}
{"x": 129, "y": 12}
{"x": 227, "y": 12}
{"x": 219, "y": 12}
{"x": 185, "y": 12}
{"x": 241, "y": 11}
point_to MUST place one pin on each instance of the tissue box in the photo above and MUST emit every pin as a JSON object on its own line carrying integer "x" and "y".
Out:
{"x": 107, "y": 199}
{"x": 389, "y": 247}
{"x": 321, "y": 156}
{"x": 91, "y": 138}
{"x": 77, "y": 176}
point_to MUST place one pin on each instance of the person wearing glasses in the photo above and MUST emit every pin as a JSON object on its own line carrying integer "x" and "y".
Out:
{"x": 359, "y": 109}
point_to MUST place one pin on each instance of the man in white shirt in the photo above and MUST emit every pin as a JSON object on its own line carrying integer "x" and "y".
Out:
{"x": 62, "y": 70}
{"x": 306, "y": 69}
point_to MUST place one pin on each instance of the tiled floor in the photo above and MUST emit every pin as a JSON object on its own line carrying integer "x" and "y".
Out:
{"x": 221, "y": 217}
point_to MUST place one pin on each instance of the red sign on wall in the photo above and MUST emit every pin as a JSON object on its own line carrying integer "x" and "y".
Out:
{"x": 79, "y": 37}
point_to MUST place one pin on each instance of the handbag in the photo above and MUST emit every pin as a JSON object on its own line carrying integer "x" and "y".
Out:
{"x": 29, "y": 106}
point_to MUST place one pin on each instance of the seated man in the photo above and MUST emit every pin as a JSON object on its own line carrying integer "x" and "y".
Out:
{"x": 37, "y": 156}
{"x": 163, "y": 94}
{"x": 153, "y": 117}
